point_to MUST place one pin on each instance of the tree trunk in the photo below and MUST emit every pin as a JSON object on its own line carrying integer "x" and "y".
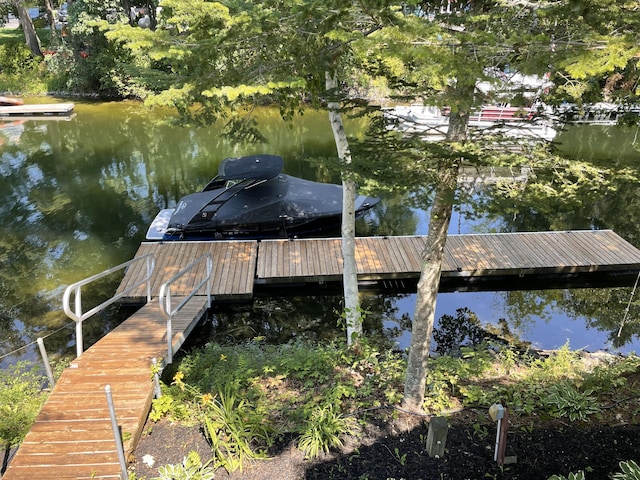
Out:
{"x": 429, "y": 283}
{"x": 30, "y": 35}
{"x": 350, "y": 272}
{"x": 51, "y": 17}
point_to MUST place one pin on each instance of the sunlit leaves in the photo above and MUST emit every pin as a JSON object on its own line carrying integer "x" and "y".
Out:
{"x": 601, "y": 59}
{"x": 233, "y": 93}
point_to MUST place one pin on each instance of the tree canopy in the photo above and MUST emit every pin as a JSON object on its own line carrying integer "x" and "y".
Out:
{"x": 219, "y": 60}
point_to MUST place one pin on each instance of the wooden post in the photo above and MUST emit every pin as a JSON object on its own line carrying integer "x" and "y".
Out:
{"x": 437, "y": 437}
{"x": 502, "y": 443}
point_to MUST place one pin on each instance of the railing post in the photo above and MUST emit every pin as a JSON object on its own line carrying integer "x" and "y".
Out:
{"x": 79, "y": 343}
{"x": 150, "y": 266}
{"x": 116, "y": 433}
{"x": 45, "y": 360}
{"x": 169, "y": 328}
{"x": 78, "y": 305}
{"x": 209, "y": 270}
{"x": 156, "y": 378}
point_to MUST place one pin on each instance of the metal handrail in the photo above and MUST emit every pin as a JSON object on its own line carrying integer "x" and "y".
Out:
{"x": 78, "y": 316}
{"x": 165, "y": 296}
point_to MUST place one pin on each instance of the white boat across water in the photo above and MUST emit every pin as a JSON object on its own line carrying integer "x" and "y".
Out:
{"x": 433, "y": 123}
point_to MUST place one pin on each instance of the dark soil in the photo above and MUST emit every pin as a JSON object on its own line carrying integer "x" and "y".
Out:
{"x": 397, "y": 450}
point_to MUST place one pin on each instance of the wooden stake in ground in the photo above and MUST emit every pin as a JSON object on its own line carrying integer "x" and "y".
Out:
{"x": 501, "y": 414}
{"x": 437, "y": 437}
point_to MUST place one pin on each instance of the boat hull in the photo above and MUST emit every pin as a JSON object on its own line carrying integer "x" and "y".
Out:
{"x": 159, "y": 230}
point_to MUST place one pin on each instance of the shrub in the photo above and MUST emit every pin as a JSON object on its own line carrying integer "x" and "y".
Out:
{"x": 21, "y": 398}
{"x": 324, "y": 430}
{"x": 191, "y": 468}
{"x": 15, "y": 57}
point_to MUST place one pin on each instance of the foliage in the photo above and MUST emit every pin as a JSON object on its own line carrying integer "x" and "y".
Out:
{"x": 295, "y": 388}
{"x": 234, "y": 427}
{"x": 566, "y": 400}
{"x": 15, "y": 57}
{"x": 572, "y": 476}
{"x": 629, "y": 471}
{"x": 323, "y": 430}
{"x": 446, "y": 374}
{"x": 21, "y": 398}
{"x": 318, "y": 391}
{"x": 191, "y": 468}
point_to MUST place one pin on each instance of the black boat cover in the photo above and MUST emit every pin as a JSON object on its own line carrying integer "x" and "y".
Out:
{"x": 264, "y": 167}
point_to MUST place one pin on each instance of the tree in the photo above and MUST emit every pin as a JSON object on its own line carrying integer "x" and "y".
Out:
{"x": 279, "y": 51}
{"x": 228, "y": 56}
{"x": 437, "y": 54}
{"x": 31, "y": 37}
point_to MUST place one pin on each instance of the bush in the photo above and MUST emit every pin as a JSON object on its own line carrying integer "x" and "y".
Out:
{"x": 15, "y": 57}
{"x": 21, "y": 398}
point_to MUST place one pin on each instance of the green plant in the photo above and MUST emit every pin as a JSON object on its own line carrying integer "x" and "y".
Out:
{"x": 567, "y": 401}
{"x": 400, "y": 458}
{"x": 16, "y": 57}
{"x": 168, "y": 405}
{"x": 21, "y": 398}
{"x": 572, "y": 476}
{"x": 233, "y": 427}
{"x": 630, "y": 471}
{"x": 480, "y": 431}
{"x": 323, "y": 430}
{"x": 191, "y": 468}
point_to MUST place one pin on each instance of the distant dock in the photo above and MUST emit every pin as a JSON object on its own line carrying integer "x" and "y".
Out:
{"x": 37, "y": 110}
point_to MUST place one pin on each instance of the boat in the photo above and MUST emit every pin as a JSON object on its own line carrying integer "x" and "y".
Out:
{"x": 601, "y": 113}
{"x": 433, "y": 122}
{"x": 251, "y": 198}
{"x": 10, "y": 101}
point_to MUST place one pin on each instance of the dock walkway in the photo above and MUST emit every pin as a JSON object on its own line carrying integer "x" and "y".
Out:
{"x": 72, "y": 436}
{"x": 240, "y": 266}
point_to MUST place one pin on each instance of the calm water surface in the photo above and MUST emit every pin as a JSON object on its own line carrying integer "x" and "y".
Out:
{"x": 78, "y": 195}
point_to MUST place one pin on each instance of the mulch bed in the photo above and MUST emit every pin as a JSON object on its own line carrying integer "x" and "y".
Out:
{"x": 537, "y": 450}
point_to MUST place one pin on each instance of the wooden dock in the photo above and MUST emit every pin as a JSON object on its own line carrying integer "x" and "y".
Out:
{"x": 44, "y": 109}
{"x": 72, "y": 436}
{"x": 240, "y": 266}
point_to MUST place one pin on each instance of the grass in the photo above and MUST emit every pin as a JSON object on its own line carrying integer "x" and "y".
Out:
{"x": 15, "y": 34}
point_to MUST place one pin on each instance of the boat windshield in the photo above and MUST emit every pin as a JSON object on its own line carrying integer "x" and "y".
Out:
{"x": 232, "y": 183}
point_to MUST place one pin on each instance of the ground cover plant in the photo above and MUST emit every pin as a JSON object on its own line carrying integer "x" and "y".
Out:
{"x": 21, "y": 398}
{"x": 305, "y": 410}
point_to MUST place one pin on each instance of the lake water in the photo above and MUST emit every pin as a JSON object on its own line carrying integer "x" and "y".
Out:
{"x": 78, "y": 195}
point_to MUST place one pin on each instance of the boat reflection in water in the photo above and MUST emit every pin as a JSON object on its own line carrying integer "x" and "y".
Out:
{"x": 251, "y": 198}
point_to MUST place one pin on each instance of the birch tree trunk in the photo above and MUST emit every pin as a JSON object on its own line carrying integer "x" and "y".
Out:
{"x": 51, "y": 18}
{"x": 350, "y": 272}
{"x": 429, "y": 283}
{"x": 30, "y": 35}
